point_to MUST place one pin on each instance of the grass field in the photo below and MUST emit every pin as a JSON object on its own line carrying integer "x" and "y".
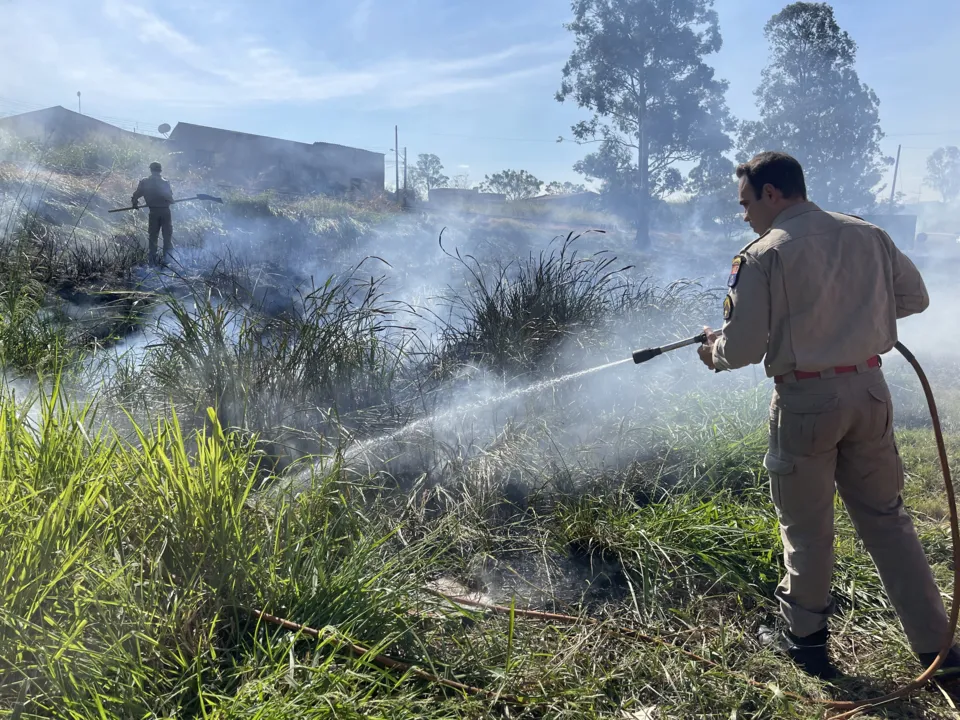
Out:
{"x": 180, "y": 450}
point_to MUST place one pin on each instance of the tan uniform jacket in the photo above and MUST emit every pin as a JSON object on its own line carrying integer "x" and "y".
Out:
{"x": 155, "y": 191}
{"x": 818, "y": 290}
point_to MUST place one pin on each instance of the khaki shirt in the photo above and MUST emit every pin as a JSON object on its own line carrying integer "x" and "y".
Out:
{"x": 155, "y": 191}
{"x": 816, "y": 291}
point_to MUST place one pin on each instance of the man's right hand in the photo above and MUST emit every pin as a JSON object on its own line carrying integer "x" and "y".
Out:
{"x": 705, "y": 351}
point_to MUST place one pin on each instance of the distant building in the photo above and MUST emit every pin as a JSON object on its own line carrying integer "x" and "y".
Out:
{"x": 901, "y": 228}
{"x": 579, "y": 201}
{"x": 463, "y": 199}
{"x": 234, "y": 158}
{"x": 55, "y": 126}
{"x": 261, "y": 162}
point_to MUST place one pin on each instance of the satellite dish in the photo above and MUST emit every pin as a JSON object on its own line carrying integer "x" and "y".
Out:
{"x": 163, "y": 129}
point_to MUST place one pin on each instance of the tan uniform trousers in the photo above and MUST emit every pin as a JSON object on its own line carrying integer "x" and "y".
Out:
{"x": 837, "y": 432}
{"x": 160, "y": 219}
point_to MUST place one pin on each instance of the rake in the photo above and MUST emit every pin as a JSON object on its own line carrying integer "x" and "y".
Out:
{"x": 201, "y": 196}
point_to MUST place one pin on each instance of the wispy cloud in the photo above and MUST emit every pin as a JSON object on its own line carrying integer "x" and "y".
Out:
{"x": 360, "y": 19}
{"x": 136, "y": 54}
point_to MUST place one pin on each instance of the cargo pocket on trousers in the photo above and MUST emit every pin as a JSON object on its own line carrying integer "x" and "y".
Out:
{"x": 779, "y": 468}
{"x": 808, "y": 424}
{"x": 881, "y": 410}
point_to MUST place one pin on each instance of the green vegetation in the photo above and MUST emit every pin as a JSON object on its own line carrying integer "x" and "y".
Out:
{"x": 151, "y": 502}
{"x": 80, "y": 158}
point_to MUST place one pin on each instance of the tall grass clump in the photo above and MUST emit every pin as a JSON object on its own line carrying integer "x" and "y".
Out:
{"x": 508, "y": 318}
{"x": 250, "y": 207}
{"x": 329, "y": 363}
{"x": 33, "y": 336}
{"x": 515, "y": 317}
{"x": 129, "y": 569}
{"x": 81, "y": 157}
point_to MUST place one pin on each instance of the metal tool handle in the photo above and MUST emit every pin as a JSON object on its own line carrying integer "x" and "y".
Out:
{"x": 201, "y": 196}
{"x": 641, "y": 356}
{"x": 139, "y": 207}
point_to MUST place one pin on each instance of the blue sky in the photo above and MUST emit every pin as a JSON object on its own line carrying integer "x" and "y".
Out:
{"x": 472, "y": 82}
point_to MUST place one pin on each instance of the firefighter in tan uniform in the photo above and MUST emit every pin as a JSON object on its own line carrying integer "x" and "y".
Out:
{"x": 816, "y": 298}
{"x": 156, "y": 191}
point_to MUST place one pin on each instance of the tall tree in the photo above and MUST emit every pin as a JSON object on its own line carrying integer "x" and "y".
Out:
{"x": 638, "y": 66}
{"x": 943, "y": 172}
{"x": 813, "y": 106}
{"x": 515, "y": 184}
{"x": 429, "y": 171}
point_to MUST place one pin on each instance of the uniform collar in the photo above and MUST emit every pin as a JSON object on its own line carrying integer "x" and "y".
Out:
{"x": 792, "y": 212}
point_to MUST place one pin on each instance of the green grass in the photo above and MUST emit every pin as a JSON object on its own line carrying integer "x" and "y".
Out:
{"x": 137, "y": 533}
{"x": 91, "y": 156}
{"x": 130, "y": 567}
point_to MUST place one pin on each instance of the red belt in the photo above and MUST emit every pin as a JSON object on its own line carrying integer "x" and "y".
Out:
{"x": 873, "y": 362}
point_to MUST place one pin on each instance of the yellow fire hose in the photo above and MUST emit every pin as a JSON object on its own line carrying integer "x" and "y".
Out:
{"x": 835, "y": 709}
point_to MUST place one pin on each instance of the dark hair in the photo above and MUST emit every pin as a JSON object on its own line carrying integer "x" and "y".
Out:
{"x": 776, "y": 168}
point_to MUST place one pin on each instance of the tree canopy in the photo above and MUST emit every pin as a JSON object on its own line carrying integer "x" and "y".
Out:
{"x": 943, "y": 172}
{"x": 515, "y": 184}
{"x": 813, "y": 106}
{"x": 429, "y": 171}
{"x": 638, "y": 65}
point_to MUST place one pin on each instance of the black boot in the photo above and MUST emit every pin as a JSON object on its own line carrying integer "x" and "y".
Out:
{"x": 948, "y": 669}
{"x": 810, "y": 652}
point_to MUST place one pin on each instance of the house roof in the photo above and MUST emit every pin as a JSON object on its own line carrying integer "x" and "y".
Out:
{"x": 60, "y": 114}
{"x": 58, "y": 123}
{"x": 211, "y": 137}
{"x": 567, "y": 196}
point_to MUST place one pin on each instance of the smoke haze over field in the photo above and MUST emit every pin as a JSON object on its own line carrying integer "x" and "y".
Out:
{"x": 252, "y": 71}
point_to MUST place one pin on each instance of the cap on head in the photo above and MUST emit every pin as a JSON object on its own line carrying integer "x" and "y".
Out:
{"x": 155, "y": 167}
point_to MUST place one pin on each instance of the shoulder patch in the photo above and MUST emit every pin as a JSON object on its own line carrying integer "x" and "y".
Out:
{"x": 727, "y": 307}
{"x": 735, "y": 271}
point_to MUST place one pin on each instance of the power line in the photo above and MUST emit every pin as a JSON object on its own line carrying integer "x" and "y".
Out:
{"x": 483, "y": 137}
{"x": 928, "y": 134}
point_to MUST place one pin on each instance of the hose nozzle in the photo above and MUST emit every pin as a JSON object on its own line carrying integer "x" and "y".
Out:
{"x": 641, "y": 356}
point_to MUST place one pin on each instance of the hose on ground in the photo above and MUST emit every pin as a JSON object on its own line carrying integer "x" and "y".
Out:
{"x": 835, "y": 709}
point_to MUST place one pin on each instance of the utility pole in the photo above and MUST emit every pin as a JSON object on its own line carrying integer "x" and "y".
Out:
{"x": 893, "y": 187}
{"x": 404, "y": 174}
{"x": 396, "y": 157}
{"x": 79, "y": 109}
